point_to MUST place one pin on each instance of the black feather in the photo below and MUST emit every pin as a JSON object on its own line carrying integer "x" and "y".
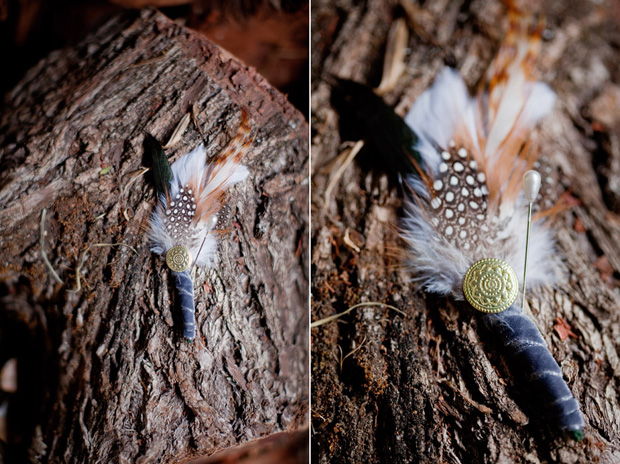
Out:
{"x": 364, "y": 115}
{"x": 157, "y": 161}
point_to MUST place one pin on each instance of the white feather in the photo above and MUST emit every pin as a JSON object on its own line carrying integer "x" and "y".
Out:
{"x": 438, "y": 264}
{"x": 437, "y": 113}
{"x": 521, "y": 106}
{"x": 200, "y": 242}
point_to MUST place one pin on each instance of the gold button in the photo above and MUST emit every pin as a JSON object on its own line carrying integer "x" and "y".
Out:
{"x": 490, "y": 285}
{"x": 178, "y": 258}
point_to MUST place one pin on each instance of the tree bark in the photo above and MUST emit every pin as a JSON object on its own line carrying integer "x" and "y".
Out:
{"x": 105, "y": 375}
{"x": 425, "y": 385}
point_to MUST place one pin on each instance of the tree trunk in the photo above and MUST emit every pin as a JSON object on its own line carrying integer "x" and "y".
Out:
{"x": 425, "y": 385}
{"x": 104, "y": 374}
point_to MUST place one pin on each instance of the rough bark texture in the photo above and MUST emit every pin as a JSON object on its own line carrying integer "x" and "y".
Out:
{"x": 105, "y": 375}
{"x": 426, "y": 386}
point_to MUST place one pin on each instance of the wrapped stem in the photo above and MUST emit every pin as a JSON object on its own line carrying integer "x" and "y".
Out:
{"x": 185, "y": 287}
{"x": 527, "y": 356}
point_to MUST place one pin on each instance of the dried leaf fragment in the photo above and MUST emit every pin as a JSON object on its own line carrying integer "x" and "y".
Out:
{"x": 563, "y": 329}
{"x": 605, "y": 268}
{"x": 579, "y": 226}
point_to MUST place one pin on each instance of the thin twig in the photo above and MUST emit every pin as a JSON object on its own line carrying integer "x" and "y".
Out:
{"x": 353, "y": 351}
{"x": 195, "y": 113}
{"x": 479, "y": 406}
{"x": 368, "y": 303}
{"x": 134, "y": 176}
{"x": 340, "y": 357}
{"x": 43, "y": 253}
{"x": 82, "y": 260}
{"x": 151, "y": 60}
{"x": 353, "y": 151}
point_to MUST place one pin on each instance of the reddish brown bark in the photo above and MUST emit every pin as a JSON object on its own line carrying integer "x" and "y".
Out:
{"x": 106, "y": 376}
{"x": 426, "y": 386}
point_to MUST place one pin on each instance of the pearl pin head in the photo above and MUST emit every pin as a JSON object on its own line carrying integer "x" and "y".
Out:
{"x": 531, "y": 185}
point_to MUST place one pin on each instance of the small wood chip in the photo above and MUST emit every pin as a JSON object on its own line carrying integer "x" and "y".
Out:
{"x": 8, "y": 376}
{"x": 177, "y": 135}
{"x": 394, "y": 61}
{"x": 353, "y": 239}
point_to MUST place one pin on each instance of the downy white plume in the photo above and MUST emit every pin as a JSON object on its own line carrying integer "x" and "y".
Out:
{"x": 187, "y": 214}
{"x": 468, "y": 204}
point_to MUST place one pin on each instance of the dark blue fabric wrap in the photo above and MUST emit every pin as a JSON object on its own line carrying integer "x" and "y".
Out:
{"x": 185, "y": 287}
{"x": 527, "y": 355}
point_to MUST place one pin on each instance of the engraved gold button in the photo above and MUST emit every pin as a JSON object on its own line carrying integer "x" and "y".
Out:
{"x": 490, "y": 285}
{"x": 178, "y": 258}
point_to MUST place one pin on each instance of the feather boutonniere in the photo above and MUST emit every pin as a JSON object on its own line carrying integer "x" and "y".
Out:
{"x": 190, "y": 194}
{"x": 466, "y": 214}
{"x": 465, "y": 164}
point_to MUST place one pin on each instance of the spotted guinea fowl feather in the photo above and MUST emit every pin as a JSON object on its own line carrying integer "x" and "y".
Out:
{"x": 187, "y": 211}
